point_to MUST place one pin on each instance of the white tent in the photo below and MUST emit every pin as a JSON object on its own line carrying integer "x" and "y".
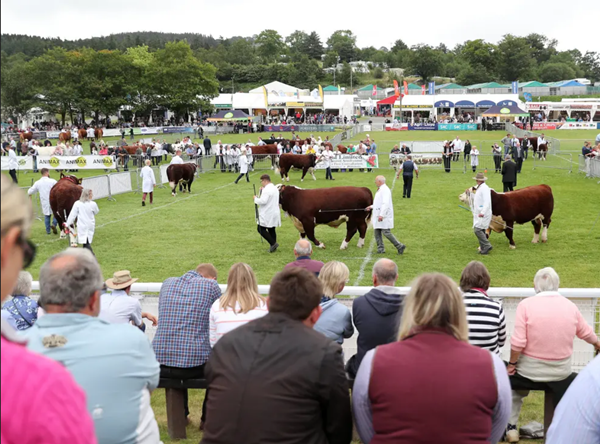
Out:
{"x": 343, "y": 104}
{"x": 280, "y": 89}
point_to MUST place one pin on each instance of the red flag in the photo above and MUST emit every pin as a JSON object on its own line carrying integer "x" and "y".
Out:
{"x": 405, "y": 88}
{"x": 422, "y": 90}
{"x": 396, "y": 90}
{"x": 374, "y": 90}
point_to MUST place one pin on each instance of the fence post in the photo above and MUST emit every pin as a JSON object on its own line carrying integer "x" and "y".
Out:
{"x": 110, "y": 197}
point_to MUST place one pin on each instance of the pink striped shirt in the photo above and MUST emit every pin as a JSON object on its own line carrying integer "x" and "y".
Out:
{"x": 546, "y": 325}
{"x": 41, "y": 403}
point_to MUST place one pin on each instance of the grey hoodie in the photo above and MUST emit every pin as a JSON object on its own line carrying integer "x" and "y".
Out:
{"x": 335, "y": 321}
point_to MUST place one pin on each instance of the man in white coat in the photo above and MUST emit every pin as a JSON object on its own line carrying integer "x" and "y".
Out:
{"x": 482, "y": 213}
{"x": 243, "y": 161}
{"x": 12, "y": 163}
{"x": 43, "y": 186}
{"x": 383, "y": 216}
{"x": 148, "y": 182}
{"x": 84, "y": 210}
{"x": 269, "y": 216}
{"x": 176, "y": 159}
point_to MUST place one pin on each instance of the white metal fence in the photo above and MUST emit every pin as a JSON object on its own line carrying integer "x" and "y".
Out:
{"x": 554, "y": 147}
{"x": 586, "y": 299}
{"x": 589, "y": 165}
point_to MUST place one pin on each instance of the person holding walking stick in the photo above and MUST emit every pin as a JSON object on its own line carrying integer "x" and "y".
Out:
{"x": 269, "y": 216}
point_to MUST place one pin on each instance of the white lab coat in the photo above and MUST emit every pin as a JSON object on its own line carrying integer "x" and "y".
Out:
{"x": 482, "y": 204}
{"x": 383, "y": 206}
{"x": 261, "y": 143}
{"x": 148, "y": 179}
{"x": 176, "y": 160}
{"x": 326, "y": 157}
{"x": 12, "y": 160}
{"x": 457, "y": 146}
{"x": 474, "y": 157}
{"x": 85, "y": 213}
{"x": 249, "y": 153}
{"x": 541, "y": 141}
{"x": 268, "y": 207}
{"x": 43, "y": 186}
{"x": 243, "y": 164}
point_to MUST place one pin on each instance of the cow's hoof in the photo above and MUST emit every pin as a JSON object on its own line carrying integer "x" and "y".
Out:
{"x": 321, "y": 245}
{"x": 301, "y": 180}
{"x": 534, "y": 241}
{"x": 288, "y": 179}
{"x": 512, "y": 247}
{"x": 173, "y": 194}
{"x": 344, "y": 245}
{"x": 544, "y": 241}
{"x": 361, "y": 243}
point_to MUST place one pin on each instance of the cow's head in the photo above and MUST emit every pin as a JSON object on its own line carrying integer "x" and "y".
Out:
{"x": 465, "y": 197}
{"x": 314, "y": 159}
{"x": 71, "y": 178}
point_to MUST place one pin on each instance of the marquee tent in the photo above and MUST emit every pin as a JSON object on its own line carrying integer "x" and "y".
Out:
{"x": 229, "y": 116}
{"x": 505, "y": 111}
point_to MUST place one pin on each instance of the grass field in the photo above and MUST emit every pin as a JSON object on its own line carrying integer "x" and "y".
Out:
{"x": 216, "y": 224}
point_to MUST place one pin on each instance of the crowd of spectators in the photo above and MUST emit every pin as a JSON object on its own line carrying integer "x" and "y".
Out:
{"x": 427, "y": 367}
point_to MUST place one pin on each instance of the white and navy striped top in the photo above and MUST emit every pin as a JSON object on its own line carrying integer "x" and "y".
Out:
{"x": 487, "y": 324}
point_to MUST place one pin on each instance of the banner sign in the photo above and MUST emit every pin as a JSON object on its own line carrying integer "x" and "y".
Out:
{"x": 351, "y": 161}
{"x": 457, "y": 127}
{"x": 497, "y": 126}
{"x": 176, "y": 129}
{"x": 514, "y": 87}
{"x": 112, "y": 132}
{"x": 23, "y": 163}
{"x": 396, "y": 126}
{"x": 76, "y": 162}
{"x": 281, "y": 128}
{"x": 431, "y": 88}
{"x": 578, "y": 125}
{"x": 423, "y": 127}
{"x": 54, "y": 134}
{"x": 414, "y": 106}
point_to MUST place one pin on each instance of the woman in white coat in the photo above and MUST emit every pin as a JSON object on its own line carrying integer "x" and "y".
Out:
{"x": 243, "y": 161}
{"x": 84, "y": 210}
{"x": 269, "y": 216}
{"x": 148, "y": 182}
{"x": 383, "y": 216}
{"x": 474, "y": 158}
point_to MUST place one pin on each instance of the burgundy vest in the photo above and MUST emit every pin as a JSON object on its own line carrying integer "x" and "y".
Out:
{"x": 432, "y": 388}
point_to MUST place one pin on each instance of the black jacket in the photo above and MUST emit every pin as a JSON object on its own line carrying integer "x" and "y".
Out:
{"x": 376, "y": 316}
{"x": 509, "y": 172}
{"x": 207, "y": 143}
{"x": 276, "y": 380}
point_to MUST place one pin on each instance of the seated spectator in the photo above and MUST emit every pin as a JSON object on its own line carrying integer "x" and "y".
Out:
{"x": 41, "y": 403}
{"x": 240, "y": 304}
{"x": 181, "y": 343}
{"x": 303, "y": 252}
{"x": 335, "y": 321}
{"x": 576, "y": 417}
{"x": 421, "y": 388}
{"x": 21, "y": 311}
{"x": 114, "y": 364}
{"x": 487, "y": 324}
{"x": 286, "y": 380}
{"x": 117, "y": 307}
{"x": 376, "y": 315}
{"x": 542, "y": 343}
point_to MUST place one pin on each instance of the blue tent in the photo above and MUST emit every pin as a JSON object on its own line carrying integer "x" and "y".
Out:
{"x": 506, "y": 111}
{"x": 443, "y": 104}
{"x": 485, "y": 103}
{"x": 464, "y": 104}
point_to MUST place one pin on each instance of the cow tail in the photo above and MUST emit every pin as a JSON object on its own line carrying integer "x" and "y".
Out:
{"x": 368, "y": 218}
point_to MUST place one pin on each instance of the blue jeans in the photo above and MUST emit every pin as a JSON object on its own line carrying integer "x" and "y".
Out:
{"x": 47, "y": 222}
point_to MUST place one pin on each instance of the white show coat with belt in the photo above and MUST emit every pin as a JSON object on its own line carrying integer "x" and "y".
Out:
{"x": 43, "y": 186}
{"x": 482, "y": 204}
{"x": 383, "y": 206}
{"x": 268, "y": 207}
{"x": 85, "y": 213}
{"x": 243, "y": 160}
{"x": 148, "y": 179}
{"x": 176, "y": 160}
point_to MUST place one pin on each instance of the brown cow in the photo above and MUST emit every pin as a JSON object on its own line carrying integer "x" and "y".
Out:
{"x": 26, "y": 135}
{"x": 261, "y": 152}
{"x": 305, "y": 162}
{"x": 328, "y": 206}
{"x": 82, "y": 133}
{"x": 63, "y": 196}
{"x": 182, "y": 174}
{"x": 131, "y": 150}
{"x": 64, "y": 136}
{"x": 342, "y": 149}
{"x": 98, "y": 133}
{"x": 533, "y": 204}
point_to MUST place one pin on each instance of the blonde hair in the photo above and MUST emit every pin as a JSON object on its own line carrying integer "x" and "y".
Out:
{"x": 148, "y": 162}
{"x": 85, "y": 195}
{"x": 332, "y": 275}
{"x": 242, "y": 289}
{"x": 16, "y": 207}
{"x": 434, "y": 301}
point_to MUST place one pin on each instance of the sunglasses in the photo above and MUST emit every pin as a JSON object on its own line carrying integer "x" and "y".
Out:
{"x": 28, "y": 248}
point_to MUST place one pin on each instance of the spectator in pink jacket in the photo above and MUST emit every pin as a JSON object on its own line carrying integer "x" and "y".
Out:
{"x": 542, "y": 343}
{"x": 40, "y": 401}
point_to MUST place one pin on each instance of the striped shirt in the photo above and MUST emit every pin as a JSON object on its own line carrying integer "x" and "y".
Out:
{"x": 487, "y": 324}
{"x": 224, "y": 320}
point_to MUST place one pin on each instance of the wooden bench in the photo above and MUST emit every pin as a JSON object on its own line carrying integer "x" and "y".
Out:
{"x": 174, "y": 394}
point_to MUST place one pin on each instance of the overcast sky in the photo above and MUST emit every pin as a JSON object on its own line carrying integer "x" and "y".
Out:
{"x": 376, "y": 24}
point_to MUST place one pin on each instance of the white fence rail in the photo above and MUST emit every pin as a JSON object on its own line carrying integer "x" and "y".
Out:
{"x": 586, "y": 299}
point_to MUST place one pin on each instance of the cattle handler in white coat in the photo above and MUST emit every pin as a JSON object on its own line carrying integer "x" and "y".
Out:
{"x": 243, "y": 161}
{"x": 482, "y": 213}
{"x": 383, "y": 216}
{"x": 269, "y": 216}
{"x": 84, "y": 210}
{"x": 43, "y": 186}
{"x": 148, "y": 182}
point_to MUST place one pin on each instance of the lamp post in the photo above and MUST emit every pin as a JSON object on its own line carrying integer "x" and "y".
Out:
{"x": 335, "y": 69}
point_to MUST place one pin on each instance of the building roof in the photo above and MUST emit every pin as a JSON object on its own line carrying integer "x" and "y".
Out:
{"x": 388, "y": 101}
{"x": 486, "y": 85}
{"x": 565, "y": 83}
{"x": 449, "y": 86}
{"x": 533, "y": 84}
{"x": 279, "y": 88}
{"x": 330, "y": 88}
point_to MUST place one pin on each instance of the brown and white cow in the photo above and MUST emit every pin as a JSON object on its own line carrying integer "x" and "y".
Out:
{"x": 304, "y": 162}
{"x": 260, "y": 152}
{"x": 328, "y": 206}
{"x": 533, "y": 204}
{"x": 26, "y": 136}
{"x": 63, "y": 196}
{"x": 342, "y": 149}
{"x": 181, "y": 174}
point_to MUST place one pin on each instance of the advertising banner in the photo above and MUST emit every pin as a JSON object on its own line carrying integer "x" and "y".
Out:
{"x": 457, "y": 127}
{"x": 176, "y": 129}
{"x": 76, "y": 162}
{"x": 281, "y": 128}
{"x": 396, "y": 126}
{"x": 54, "y": 134}
{"x": 546, "y": 125}
{"x": 351, "y": 161}
{"x": 23, "y": 163}
{"x": 579, "y": 125}
{"x": 498, "y": 126}
{"x": 113, "y": 132}
{"x": 423, "y": 127}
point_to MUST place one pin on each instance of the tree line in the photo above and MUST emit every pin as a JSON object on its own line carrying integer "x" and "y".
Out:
{"x": 143, "y": 70}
